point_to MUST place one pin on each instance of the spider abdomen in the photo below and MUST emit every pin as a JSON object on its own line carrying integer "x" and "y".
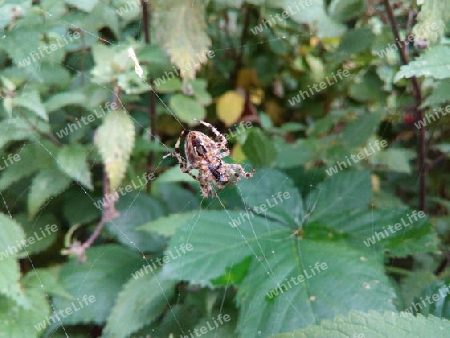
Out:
{"x": 205, "y": 155}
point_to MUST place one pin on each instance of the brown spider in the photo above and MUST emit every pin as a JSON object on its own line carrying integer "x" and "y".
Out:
{"x": 205, "y": 155}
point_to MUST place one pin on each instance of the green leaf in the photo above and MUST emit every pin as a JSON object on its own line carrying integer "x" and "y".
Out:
{"x": 373, "y": 324}
{"x": 32, "y": 101}
{"x": 107, "y": 268}
{"x": 413, "y": 284}
{"x": 291, "y": 155}
{"x": 344, "y": 10}
{"x": 78, "y": 208}
{"x": 343, "y": 191}
{"x": 258, "y": 148}
{"x": 216, "y": 243}
{"x": 399, "y": 233}
{"x": 200, "y": 91}
{"x": 311, "y": 13}
{"x": 353, "y": 42}
{"x": 14, "y": 129}
{"x": 11, "y": 241}
{"x": 137, "y": 209}
{"x": 367, "y": 87}
{"x": 235, "y": 274}
{"x": 84, "y": 5}
{"x": 36, "y": 158}
{"x": 46, "y": 184}
{"x": 115, "y": 141}
{"x": 157, "y": 59}
{"x": 167, "y": 86}
{"x": 39, "y": 234}
{"x": 72, "y": 160}
{"x": 20, "y": 322}
{"x": 437, "y": 303}
{"x": 433, "y": 63}
{"x": 357, "y": 133}
{"x": 321, "y": 267}
{"x": 187, "y": 108}
{"x": 19, "y": 44}
{"x": 176, "y": 199}
{"x": 167, "y": 226}
{"x": 110, "y": 62}
{"x": 278, "y": 255}
{"x": 100, "y": 17}
{"x": 181, "y": 29}
{"x": 272, "y": 194}
{"x": 174, "y": 174}
{"x": 48, "y": 280}
{"x": 439, "y": 95}
{"x": 60, "y": 100}
{"x": 431, "y": 21}
{"x": 394, "y": 159}
{"x": 11, "y": 236}
{"x": 132, "y": 311}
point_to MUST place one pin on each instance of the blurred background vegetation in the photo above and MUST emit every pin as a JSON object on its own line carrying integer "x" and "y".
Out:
{"x": 95, "y": 93}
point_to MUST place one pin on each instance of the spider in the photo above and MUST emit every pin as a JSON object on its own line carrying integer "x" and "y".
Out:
{"x": 206, "y": 155}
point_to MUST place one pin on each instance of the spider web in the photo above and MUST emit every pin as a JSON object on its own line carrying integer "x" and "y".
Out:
{"x": 260, "y": 255}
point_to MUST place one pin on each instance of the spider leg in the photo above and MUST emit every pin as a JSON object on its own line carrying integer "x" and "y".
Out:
{"x": 183, "y": 165}
{"x": 239, "y": 172}
{"x": 222, "y": 140}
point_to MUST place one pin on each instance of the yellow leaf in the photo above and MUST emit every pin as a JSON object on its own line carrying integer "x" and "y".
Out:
{"x": 256, "y": 96}
{"x": 229, "y": 107}
{"x": 247, "y": 78}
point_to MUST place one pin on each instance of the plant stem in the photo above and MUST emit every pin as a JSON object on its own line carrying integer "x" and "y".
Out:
{"x": 417, "y": 93}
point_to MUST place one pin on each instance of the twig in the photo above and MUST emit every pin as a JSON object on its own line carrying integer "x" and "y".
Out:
{"x": 417, "y": 93}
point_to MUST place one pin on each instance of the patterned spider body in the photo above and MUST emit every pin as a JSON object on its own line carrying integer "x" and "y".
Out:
{"x": 205, "y": 155}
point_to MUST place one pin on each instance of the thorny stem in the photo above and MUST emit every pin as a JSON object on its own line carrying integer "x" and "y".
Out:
{"x": 417, "y": 93}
